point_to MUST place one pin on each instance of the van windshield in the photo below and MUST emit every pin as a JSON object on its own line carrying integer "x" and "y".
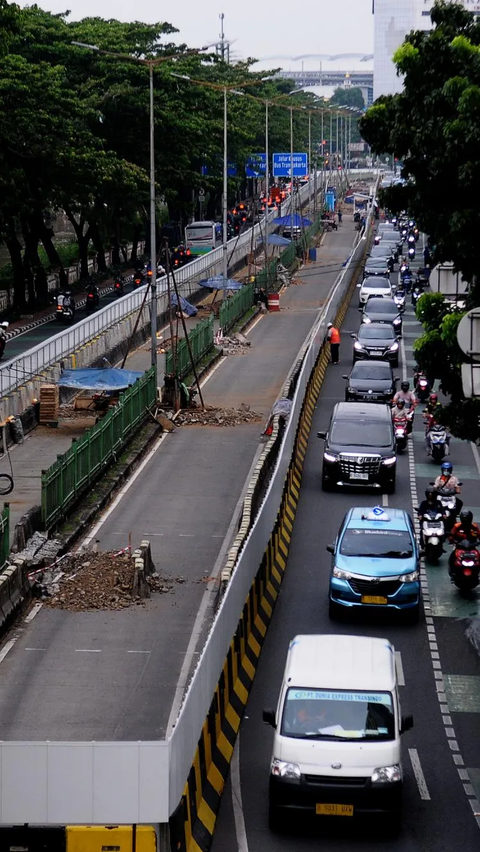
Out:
{"x": 325, "y": 714}
{"x": 391, "y": 544}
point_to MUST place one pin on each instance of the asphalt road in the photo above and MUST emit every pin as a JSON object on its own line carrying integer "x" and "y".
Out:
{"x": 440, "y": 658}
{"x": 112, "y": 675}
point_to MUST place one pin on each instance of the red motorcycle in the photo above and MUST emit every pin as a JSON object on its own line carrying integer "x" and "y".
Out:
{"x": 464, "y": 565}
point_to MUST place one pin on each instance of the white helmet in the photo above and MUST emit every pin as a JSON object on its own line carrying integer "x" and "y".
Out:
{"x": 4, "y": 324}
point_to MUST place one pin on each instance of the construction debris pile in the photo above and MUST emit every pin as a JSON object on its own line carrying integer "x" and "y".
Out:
{"x": 91, "y": 581}
{"x": 210, "y": 416}
{"x": 236, "y": 345}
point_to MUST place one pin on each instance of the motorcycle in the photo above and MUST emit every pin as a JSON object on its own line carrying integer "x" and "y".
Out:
{"x": 118, "y": 285}
{"x": 65, "y": 307}
{"x": 433, "y": 535}
{"x": 407, "y": 281}
{"x": 93, "y": 300}
{"x": 437, "y": 438}
{"x": 422, "y": 387}
{"x": 377, "y": 239}
{"x": 416, "y": 293}
{"x": 400, "y": 429}
{"x": 447, "y": 503}
{"x": 464, "y": 565}
{"x": 411, "y": 252}
{"x": 137, "y": 280}
{"x": 410, "y": 415}
{"x": 399, "y": 299}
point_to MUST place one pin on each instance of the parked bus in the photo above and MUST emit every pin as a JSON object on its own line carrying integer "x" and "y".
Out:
{"x": 202, "y": 237}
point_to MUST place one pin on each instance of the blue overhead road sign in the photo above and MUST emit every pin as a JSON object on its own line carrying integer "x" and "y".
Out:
{"x": 255, "y": 165}
{"x": 282, "y": 165}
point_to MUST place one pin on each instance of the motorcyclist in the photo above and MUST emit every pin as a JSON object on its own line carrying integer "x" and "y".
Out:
{"x": 399, "y": 414}
{"x": 407, "y": 395}
{"x": 432, "y": 426}
{"x": 465, "y": 529}
{"x": 429, "y": 504}
{"x": 432, "y": 404}
{"x": 447, "y": 483}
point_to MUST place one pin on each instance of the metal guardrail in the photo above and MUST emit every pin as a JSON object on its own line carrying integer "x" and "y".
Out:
{"x": 19, "y": 370}
{"x": 68, "y": 477}
{"x": 201, "y": 341}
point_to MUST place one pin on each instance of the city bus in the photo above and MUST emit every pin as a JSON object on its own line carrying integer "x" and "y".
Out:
{"x": 202, "y": 237}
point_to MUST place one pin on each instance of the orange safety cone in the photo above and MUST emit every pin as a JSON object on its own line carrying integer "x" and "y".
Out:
{"x": 269, "y": 429}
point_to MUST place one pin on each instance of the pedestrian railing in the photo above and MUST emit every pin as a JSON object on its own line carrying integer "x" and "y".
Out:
{"x": 235, "y": 307}
{"x": 179, "y": 363}
{"x": 76, "y": 470}
{"x": 4, "y": 535}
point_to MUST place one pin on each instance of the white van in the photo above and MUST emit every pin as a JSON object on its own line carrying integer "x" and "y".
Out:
{"x": 336, "y": 749}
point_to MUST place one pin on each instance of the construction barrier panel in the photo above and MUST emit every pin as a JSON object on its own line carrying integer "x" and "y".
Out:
{"x": 4, "y": 535}
{"x": 201, "y": 342}
{"x": 73, "y": 473}
{"x": 235, "y": 306}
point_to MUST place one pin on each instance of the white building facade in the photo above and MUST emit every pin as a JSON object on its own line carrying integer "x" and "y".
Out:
{"x": 393, "y": 19}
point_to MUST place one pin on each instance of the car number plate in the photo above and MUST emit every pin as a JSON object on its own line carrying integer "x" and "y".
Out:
{"x": 334, "y": 810}
{"x": 359, "y": 476}
{"x": 374, "y": 599}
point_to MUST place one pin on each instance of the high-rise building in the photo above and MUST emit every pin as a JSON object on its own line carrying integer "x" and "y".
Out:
{"x": 393, "y": 19}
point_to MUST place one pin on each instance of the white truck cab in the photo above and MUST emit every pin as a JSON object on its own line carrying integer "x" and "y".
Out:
{"x": 336, "y": 748}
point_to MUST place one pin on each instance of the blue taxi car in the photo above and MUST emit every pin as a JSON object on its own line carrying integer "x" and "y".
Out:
{"x": 375, "y": 563}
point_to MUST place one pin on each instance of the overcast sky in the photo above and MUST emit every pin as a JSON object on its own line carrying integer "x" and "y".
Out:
{"x": 261, "y": 29}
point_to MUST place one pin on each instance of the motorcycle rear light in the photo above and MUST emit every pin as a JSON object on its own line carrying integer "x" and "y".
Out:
{"x": 467, "y": 572}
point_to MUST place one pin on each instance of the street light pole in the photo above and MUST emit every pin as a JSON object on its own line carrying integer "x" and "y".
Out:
{"x": 291, "y": 166}
{"x": 267, "y": 174}
{"x": 153, "y": 228}
{"x": 225, "y": 184}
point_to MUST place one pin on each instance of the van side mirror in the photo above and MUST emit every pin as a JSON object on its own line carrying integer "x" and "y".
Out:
{"x": 345, "y": 377}
{"x": 353, "y": 336}
{"x": 360, "y": 310}
{"x": 269, "y": 717}
{"x": 322, "y": 435}
{"x": 407, "y": 723}
{"x": 330, "y": 548}
{"x": 396, "y": 378}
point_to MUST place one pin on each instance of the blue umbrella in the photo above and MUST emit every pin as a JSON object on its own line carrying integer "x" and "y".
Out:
{"x": 294, "y": 221}
{"x": 218, "y": 282}
{"x": 275, "y": 240}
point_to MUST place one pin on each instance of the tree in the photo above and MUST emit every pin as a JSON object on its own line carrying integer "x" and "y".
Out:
{"x": 348, "y": 97}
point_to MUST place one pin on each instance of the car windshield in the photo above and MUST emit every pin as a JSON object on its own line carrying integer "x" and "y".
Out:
{"x": 380, "y": 283}
{"x": 377, "y": 372}
{"x": 368, "y": 332}
{"x": 385, "y": 307}
{"x": 360, "y": 433}
{"x": 327, "y": 714}
{"x": 391, "y": 544}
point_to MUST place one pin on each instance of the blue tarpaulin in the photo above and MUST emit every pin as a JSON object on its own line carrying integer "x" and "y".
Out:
{"x": 294, "y": 221}
{"x": 275, "y": 240}
{"x": 186, "y": 307}
{"x": 108, "y": 379}
{"x": 218, "y": 282}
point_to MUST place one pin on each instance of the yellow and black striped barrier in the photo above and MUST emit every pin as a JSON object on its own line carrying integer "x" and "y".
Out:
{"x": 193, "y": 823}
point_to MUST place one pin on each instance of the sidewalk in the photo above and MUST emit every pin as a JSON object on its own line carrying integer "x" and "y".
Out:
{"x": 186, "y": 500}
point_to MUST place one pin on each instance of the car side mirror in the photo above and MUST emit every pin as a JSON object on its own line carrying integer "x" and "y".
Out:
{"x": 360, "y": 310}
{"x": 396, "y": 378}
{"x": 330, "y": 548}
{"x": 345, "y": 377}
{"x": 269, "y": 717}
{"x": 353, "y": 336}
{"x": 322, "y": 435}
{"x": 406, "y": 723}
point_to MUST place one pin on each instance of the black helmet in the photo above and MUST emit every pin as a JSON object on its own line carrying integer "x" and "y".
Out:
{"x": 400, "y": 402}
{"x": 430, "y": 492}
{"x": 466, "y": 518}
{"x": 405, "y": 386}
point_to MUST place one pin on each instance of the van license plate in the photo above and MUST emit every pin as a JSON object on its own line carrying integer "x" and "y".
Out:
{"x": 334, "y": 810}
{"x": 374, "y": 599}
{"x": 359, "y": 476}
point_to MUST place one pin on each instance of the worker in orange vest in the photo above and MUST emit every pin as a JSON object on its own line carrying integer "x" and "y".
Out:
{"x": 333, "y": 337}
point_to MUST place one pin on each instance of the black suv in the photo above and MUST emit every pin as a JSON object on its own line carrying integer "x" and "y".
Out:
{"x": 359, "y": 447}
{"x": 376, "y": 340}
{"x": 370, "y": 381}
{"x": 383, "y": 310}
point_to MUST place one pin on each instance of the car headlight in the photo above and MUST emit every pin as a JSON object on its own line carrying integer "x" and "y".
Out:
{"x": 387, "y": 774}
{"x": 389, "y": 460}
{"x": 393, "y": 347}
{"x": 285, "y": 770}
{"x": 357, "y": 345}
{"x": 410, "y": 578}
{"x": 340, "y": 574}
{"x": 366, "y": 319}
{"x": 331, "y": 457}
{"x": 397, "y": 321}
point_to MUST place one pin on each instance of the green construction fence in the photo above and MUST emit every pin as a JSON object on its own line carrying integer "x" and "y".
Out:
{"x": 76, "y": 470}
{"x": 235, "y": 306}
{"x": 201, "y": 342}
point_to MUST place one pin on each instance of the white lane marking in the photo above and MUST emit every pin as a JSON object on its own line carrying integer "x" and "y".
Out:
{"x": 384, "y": 499}
{"x": 138, "y": 652}
{"x": 205, "y": 602}
{"x": 35, "y": 649}
{"x": 88, "y": 651}
{"x": 212, "y": 371}
{"x": 399, "y": 668}
{"x": 419, "y": 776}
{"x": 6, "y": 648}
{"x": 31, "y": 615}
{"x": 186, "y": 535}
{"x": 260, "y": 317}
{"x": 237, "y": 804}
{"x": 121, "y": 494}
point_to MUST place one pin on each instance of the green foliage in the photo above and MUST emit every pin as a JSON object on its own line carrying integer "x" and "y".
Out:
{"x": 430, "y": 310}
{"x": 348, "y": 97}
{"x": 462, "y": 418}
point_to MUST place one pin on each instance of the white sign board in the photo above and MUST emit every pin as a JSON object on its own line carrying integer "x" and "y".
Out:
{"x": 468, "y": 334}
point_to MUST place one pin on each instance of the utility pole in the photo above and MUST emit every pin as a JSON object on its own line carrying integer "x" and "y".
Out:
{"x": 223, "y": 47}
